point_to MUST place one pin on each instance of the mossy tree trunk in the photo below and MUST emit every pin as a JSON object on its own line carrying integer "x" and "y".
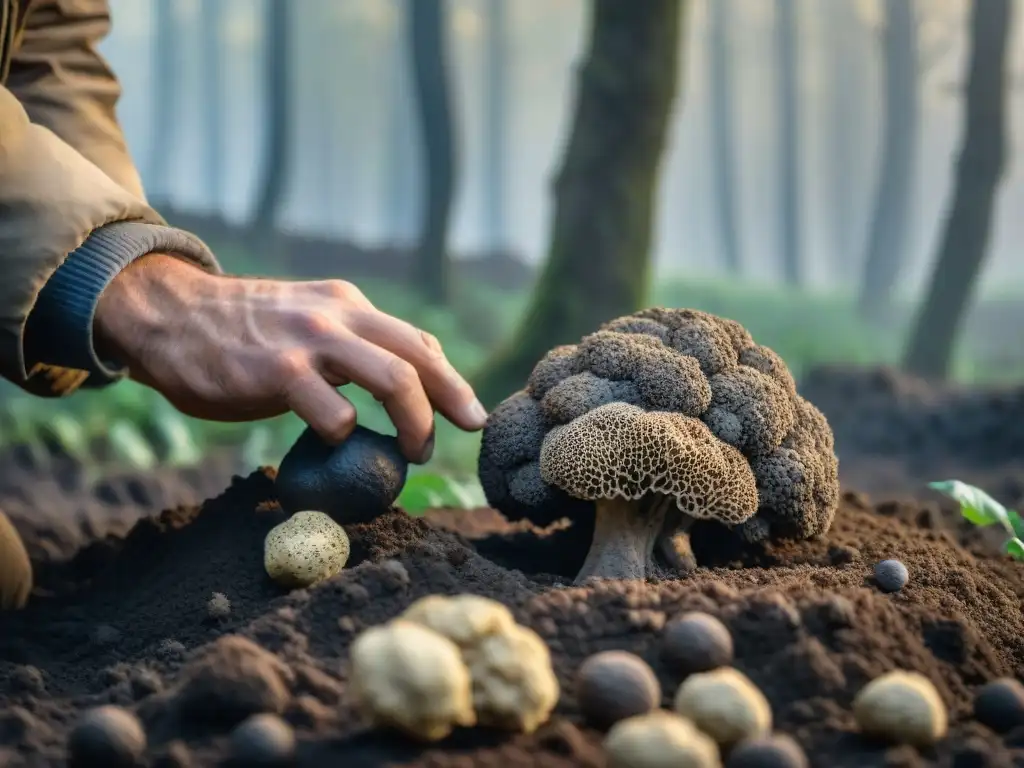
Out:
{"x": 723, "y": 133}
{"x": 787, "y": 41}
{"x": 890, "y": 223}
{"x": 428, "y": 43}
{"x": 599, "y": 259}
{"x": 277, "y": 82}
{"x": 980, "y": 168}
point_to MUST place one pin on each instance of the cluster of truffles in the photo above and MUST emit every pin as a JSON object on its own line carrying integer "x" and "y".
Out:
{"x": 453, "y": 661}
{"x": 719, "y": 716}
{"x": 716, "y": 710}
{"x": 656, "y": 420}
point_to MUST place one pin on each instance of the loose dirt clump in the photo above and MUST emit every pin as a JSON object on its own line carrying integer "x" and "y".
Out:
{"x": 126, "y": 623}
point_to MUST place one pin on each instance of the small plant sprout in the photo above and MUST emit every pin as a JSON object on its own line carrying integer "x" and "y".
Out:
{"x": 981, "y": 509}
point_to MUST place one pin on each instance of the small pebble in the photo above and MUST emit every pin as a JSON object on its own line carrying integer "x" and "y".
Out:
{"x": 891, "y": 575}
{"x": 697, "y": 642}
{"x": 1000, "y": 705}
{"x": 263, "y": 740}
{"x": 218, "y": 606}
{"x": 614, "y": 685}
{"x": 106, "y": 737}
{"x": 776, "y": 751}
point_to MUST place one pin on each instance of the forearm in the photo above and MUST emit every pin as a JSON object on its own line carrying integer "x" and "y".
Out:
{"x": 72, "y": 212}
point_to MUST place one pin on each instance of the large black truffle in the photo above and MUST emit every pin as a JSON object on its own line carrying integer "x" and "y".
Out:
{"x": 353, "y": 482}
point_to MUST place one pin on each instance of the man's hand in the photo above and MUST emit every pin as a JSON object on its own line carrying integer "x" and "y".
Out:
{"x": 239, "y": 349}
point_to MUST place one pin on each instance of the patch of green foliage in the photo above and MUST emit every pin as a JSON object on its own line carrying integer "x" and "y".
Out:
{"x": 980, "y": 509}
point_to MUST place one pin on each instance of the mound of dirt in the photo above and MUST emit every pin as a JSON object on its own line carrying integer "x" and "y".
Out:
{"x": 128, "y": 622}
{"x": 883, "y": 412}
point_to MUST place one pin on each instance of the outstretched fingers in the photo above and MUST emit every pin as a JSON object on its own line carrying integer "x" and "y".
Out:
{"x": 449, "y": 393}
{"x": 391, "y": 380}
{"x": 316, "y": 401}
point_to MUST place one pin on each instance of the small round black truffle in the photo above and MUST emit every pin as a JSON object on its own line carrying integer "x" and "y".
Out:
{"x": 614, "y": 685}
{"x": 353, "y": 482}
{"x": 891, "y": 575}
{"x": 106, "y": 737}
{"x": 776, "y": 751}
{"x": 263, "y": 739}
{"x": 697, "y": 642}
{"x": 1000, "y": 705}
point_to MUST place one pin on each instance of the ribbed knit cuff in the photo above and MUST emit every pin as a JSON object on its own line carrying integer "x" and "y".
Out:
{"x": 59, "y": 330}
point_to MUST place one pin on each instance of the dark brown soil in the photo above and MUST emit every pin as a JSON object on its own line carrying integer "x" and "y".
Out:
{"x": 126, "y": 622}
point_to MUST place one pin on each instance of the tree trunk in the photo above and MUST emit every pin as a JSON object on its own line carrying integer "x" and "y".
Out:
{"x": 166, "y": 65}
{"x": 599, "y": 262}
{"x": 890, "y": 223}
{"x": 787, "y": 38}
{"x": 495, "y": 99}
{"x": 723, "y": 136}
{"x": 277, "y": 80}
{"x": 847, "y": 40}
{"x": 427, "y": 26}
{"x": 401, "y": 170}
{"x": 211, "y": 31}
{"x": 979, "y": 171}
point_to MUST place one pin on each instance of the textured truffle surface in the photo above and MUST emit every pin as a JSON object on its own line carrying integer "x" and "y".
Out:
{"x": 672, "y": 361}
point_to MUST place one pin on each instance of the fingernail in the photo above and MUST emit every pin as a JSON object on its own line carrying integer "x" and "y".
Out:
{"x": 428, "y": 447}
{"x": 477, "y": 412}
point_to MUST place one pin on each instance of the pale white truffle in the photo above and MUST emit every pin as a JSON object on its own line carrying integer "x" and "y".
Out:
{"x": 902, "y": 707}
{"x": 725, "y": 705}
{"x": 411, "y": 678}
{"x": 514, "y": 684}
{"x": 659, "y": 739}
{"x": 305, "y": 549}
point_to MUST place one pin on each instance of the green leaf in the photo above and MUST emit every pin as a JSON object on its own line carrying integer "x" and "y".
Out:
{"x": 1016, "y": 522}
{"x": 424, "y": 491}
{"x": 130, "y": 447}
{"x": 70, "y": 435}
{"x": 182, "y": 449}
{"x": 256, "y": 451}
{"x": 1015, "y": 548}
{"x": 975, "y": 505}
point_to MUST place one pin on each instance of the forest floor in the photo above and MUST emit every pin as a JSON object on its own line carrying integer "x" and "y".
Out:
{"x": 125, "y": 620}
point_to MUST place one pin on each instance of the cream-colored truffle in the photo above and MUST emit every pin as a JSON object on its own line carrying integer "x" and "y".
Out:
{"x": 725, "y": 705}
{"x": 659, "y": 739}
{"x": 514, "y": 684}
{"x": 305, "y": 549}
{"x": 463, "y": 619}
{"x": 411, "y": 678}
{"x": 902, "y": 707}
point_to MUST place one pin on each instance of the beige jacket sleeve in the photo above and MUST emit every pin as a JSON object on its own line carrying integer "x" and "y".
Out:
{"x": 66, "y": 178}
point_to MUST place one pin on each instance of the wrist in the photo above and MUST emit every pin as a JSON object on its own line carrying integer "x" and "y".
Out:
{"x": 145, "y": 300}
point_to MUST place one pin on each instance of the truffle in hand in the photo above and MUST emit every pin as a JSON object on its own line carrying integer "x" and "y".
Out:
{"x": 353, "y": 482}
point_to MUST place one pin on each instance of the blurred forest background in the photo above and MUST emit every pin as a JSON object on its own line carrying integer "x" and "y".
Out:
{"x": 837, "y": 175}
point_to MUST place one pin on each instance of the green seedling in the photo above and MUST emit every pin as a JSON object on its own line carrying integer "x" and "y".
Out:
{"x": 131, "y": 447}
{"x": 981, "y": 509}
{"x": 425, "y": 491}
